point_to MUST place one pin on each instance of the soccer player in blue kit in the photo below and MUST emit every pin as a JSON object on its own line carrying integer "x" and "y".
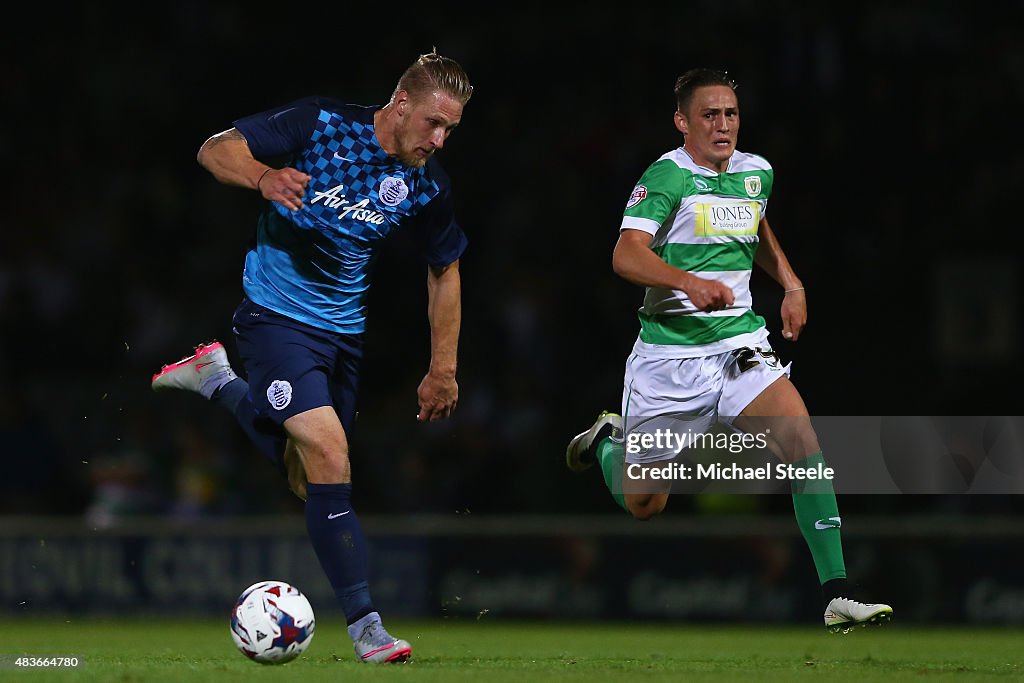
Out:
{"x": 352, "y": 175}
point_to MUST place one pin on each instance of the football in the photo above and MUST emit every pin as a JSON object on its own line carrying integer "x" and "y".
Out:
{"x": 272, "y": 622}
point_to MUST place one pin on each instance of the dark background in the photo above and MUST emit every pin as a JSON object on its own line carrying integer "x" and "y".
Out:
{"x": 892, "y": 128}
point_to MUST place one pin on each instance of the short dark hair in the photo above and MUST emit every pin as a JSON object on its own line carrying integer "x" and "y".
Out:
{"x": 433, "y": 72}
{"x": 699, "y": 78}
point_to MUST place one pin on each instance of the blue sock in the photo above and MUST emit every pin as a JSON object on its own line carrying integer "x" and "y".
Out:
{"x": 338, "y": 541}
{"x": 229, "y": 395}
{"x": 234, "y": 396}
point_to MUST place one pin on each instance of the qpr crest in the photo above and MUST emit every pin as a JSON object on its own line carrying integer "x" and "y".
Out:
{"x": 279, "y": 394}
{"x": 752, "y": 183}
{"x": 639, "y": 193}
{"x": 392, "y": 191}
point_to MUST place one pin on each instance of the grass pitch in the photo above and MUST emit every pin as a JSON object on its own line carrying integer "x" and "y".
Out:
{"x": 195, "y": 651}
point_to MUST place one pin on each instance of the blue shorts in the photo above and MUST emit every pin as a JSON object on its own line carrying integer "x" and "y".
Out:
{"x": 293, "y": 367}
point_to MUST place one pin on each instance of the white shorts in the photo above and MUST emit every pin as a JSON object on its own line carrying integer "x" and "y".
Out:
{"x": 696, "y": 392}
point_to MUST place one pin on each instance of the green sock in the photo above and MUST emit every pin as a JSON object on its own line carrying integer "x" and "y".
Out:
{"x": 611, "y": 456}
{"x": 817, "y": 515}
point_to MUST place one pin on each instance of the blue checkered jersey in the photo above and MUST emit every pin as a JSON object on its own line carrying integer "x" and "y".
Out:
{"x": 313, "y": 265}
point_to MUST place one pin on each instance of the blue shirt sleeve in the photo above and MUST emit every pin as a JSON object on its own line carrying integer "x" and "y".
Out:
{"x": 281, "y": 131}
{"x": 441, "y": 240}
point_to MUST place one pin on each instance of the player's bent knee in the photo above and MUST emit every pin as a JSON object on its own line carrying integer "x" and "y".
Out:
{"x": 325, "y": 466}
{"x": 644, "y": 507}
{"x": 642, "y": 513}
{"x": 794, "y": 440}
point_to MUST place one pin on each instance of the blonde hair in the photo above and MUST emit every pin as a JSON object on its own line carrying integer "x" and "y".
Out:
{"x": 433, "y": 72}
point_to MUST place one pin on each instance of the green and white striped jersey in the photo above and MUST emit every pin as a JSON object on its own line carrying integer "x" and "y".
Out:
{"x": 705, "y": 223}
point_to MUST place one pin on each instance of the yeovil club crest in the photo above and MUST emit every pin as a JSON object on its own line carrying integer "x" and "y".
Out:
{"x": 392, "y": 191}
{"x": 752, "y": 183}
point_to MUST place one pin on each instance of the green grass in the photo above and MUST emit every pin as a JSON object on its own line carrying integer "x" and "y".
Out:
{"x": 195, "y": 651}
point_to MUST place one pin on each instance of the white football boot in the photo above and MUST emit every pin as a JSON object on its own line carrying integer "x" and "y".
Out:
{"x": 581, "y": 454}
{"x": 843, "y": 615}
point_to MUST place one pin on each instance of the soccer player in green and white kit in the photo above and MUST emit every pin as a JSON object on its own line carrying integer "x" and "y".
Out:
{"x": 693, "y": 227}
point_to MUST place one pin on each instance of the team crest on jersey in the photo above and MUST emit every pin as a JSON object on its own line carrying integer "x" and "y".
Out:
{"x": 279, "y": 394}
{"x": 701, "y": 184}
{"x": 392, "y": 191}
{"x": 639, "y": 193}
{"x": 752, "y": 183}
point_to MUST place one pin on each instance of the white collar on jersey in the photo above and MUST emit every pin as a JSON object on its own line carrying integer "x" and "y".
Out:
{"x": 709, "y": 170}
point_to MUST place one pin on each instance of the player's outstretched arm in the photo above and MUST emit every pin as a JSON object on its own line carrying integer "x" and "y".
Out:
{"x": 772, "y": 259}
{"x": 439, "y": 392}
{"x": 227, "y": 156}
{"x": 633, "y": 260}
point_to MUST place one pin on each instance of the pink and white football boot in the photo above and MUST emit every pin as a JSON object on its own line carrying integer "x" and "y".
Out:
{"x": 203, "y": 372}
